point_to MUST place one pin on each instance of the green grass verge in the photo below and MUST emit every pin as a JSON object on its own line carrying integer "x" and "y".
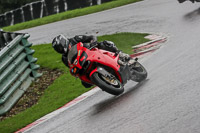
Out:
{"x": 65, "y": 88}
{"x": 68, "y": 14}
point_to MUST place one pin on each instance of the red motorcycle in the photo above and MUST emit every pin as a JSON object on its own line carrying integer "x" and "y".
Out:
{"x": 101, "y": 68}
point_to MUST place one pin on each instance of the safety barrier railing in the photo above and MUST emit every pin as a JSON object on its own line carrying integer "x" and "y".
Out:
{"x": 42, "y": 8}
{"x": 17, "y": 70}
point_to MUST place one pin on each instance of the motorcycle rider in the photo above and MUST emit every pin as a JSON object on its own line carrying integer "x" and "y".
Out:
{"x": 63, "y": 45}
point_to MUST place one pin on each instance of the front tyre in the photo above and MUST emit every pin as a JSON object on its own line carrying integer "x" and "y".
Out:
{"x": 109, "y": 84}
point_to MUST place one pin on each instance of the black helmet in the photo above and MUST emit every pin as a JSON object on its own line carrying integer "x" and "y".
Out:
{"x": 60, "y": 44}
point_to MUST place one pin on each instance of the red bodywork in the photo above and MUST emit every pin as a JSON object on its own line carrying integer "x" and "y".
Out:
{"x": 94, "y": 56}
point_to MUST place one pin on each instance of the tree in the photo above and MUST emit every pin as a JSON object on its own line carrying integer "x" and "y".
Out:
{"x": 7, "y": 5}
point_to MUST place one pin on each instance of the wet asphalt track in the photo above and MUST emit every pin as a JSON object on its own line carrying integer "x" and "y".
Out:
{"x": 168, "y": 101}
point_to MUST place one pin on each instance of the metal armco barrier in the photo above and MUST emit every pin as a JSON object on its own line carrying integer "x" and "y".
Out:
{"x": 17, "y": 68}
{"x": 43, "y": 8}
{"x": 6, "y": 37}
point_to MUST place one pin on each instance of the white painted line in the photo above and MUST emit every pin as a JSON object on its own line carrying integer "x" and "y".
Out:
{"x": 59, "y": 110}
{"x": 153, "y": 37}
{"x": 150, "y": 42}
{"x": 148, "y": 47}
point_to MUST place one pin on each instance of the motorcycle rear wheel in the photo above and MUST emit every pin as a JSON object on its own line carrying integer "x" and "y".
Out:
{"x": 139, "y": 73}
{"x": 114, "y": 86}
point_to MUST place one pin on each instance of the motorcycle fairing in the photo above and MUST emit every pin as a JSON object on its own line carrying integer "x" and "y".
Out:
{"x": 83, "y": 58}
{"x": 125, "y": 73}
{"x": 95, "y": 55}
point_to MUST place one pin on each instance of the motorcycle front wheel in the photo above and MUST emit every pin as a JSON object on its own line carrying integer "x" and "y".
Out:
{"x": 110, "y": 84}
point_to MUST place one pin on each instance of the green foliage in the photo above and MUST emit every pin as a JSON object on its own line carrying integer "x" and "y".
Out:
{"x": 7, "y": 5}
{"x": 53, "y": 60}
{"x": 125, "y": 41}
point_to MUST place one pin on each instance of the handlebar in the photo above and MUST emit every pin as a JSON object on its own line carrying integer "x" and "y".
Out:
{"x": 93, "y": 44}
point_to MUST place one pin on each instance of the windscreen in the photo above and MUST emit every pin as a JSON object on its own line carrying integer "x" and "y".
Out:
{"x": 72, "y": 55}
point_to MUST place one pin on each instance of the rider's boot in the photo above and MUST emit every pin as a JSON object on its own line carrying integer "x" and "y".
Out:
{"x": 132, "y": 61}
{"x": 126, "y": 59}
{"x": 123, "y": 58}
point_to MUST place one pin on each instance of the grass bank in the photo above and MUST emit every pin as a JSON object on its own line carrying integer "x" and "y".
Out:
{"x": 65, "y": 88}
{"x": 68, "y": 15}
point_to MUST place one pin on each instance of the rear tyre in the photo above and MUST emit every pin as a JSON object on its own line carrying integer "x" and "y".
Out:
{"x": 138, "y": 72}
{"x": 109, "y": 84}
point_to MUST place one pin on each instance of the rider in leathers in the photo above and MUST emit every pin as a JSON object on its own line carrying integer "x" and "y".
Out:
{"x": 63, "y": 45}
